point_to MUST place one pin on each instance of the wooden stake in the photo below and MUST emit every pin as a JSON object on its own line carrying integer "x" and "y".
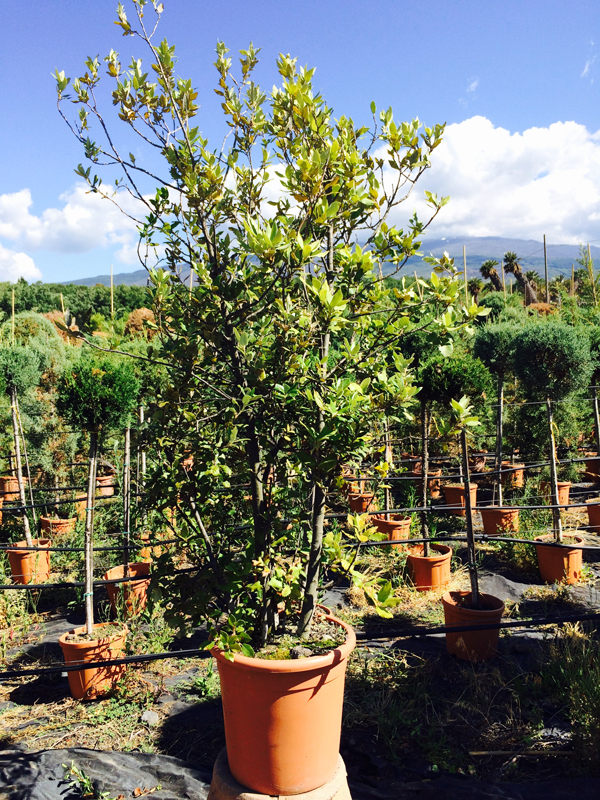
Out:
{"x": 19, "y": 470}
{"x": 553, "y": 480}
{"x": 424, "y": 475}
{"x": 88, "y": 538}
{"x": 469, "y": 521}
{"x": 499, "y": 421}
{"x": 572, "y": 280}
{"x": 13, "y": 316}
{"x": 62, "y": 304}
{"x": 465, "y": 270}
{"x": 192, "y": 280}
{"x": 546, "y": 272}
{"x": 503, "y": 279}
{"x": 112, "y": 295}
{"x": 591, "y": 274}
{"x": 126, "y": 500}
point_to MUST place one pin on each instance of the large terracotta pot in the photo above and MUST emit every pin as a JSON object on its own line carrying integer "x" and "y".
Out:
{"x": 92, "y": 682}
{"x": 429, "y": 572}
{"x": 499, "y": 519}
{"x": 56, "y": 526}
{"x": 283, "y": 718}
{"x": 130, "y": 597}
{"x": 30, "y": 566}
{"x": 359, "y": 503}
{"x": 559, "y": 563}
{"x": 593, "y": 510}
{"x": 592, "y": 468}
{"x": 472, "y": 645}
{"x": 395, "y": 528}
{"x": 105, "y": 485}
{"x": 514, "y": 479}
{"x": 9, "y": 485}
{"x": 454, "y": 494}
{"x": 564, "y": 489}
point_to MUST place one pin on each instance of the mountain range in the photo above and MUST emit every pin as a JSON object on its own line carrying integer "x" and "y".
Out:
{"x": 478, "y": 249}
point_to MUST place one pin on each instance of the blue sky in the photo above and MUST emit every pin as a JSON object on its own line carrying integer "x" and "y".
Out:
{"x": 517, "y": 82}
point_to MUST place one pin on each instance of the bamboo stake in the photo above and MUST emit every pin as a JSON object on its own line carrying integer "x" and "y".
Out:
{"x": 553, "y": 480}
{"x": 469, "y": 520}
{"x": 591, "y": 274}
{"x": 112, "y": 295}
{"x": 62, "y": 304}
{"x": 503, "y": 279}
{"x": 500, "y": 434}
{"x": 465, "y": 271}
{"x": 546, "y": 272}
{"x": 596, "y": 418}
{"x": 26, "y": 463}
{"x": 13, "y": 406}
{"x": 572, "y": 280}
{"x": 13, "y": 316}
{"x": 424, "y": 475}
{"x": 192, "y": 280}
{"x": 126, "y": 501}
{"x": 89, "y": 531}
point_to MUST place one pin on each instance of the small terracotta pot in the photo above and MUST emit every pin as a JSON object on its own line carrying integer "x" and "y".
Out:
{"x": 472, "y": 645}
{"x": 133, "y": 596}
{"x": 593, "y": 510}
{"x": 283, "y": 719}
{"x": 429, "y": 572}
{"x": 30, "y": 566}
{"x": 592, "y": 468}
{"x": 433, "y": 481}
{"x": 92, "y": 682}
{"x": 10, "y": 486}
{"x": 56, "y": 526}
{"x": 454, "y": 494}
{"x": 499, "y": 519}
{"x": 564, "y": 489}
{"x": 395, "y": 528}
{"x": 558, "y": 563}
{"x": 80, "y": 502}
{"x": 514, "y": 479}
{"x": 105, "y": 485}
{"x": 359, "y": 503}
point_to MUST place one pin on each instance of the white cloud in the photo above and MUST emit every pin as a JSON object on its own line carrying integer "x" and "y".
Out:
{"x": 473, "y": 84}
{"x": 83, "y": 223}
{"x": 15, "y": 265}
{"x": 588, "y": 65}
{"x": 544, "y": 180}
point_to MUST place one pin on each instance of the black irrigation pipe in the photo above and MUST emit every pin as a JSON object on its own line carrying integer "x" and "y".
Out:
{"x": 404, "y": 633}
{"x": 6, "y": 547}
{"x": 79, "y": 584}
{"x": 7, "y": 509}
{"x": 480, "y": 537}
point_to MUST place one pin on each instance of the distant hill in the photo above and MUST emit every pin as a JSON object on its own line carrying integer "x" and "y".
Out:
{"x": 478, "y": 249}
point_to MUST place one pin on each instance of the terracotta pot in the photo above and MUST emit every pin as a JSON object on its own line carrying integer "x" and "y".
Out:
{"x": 564, "y": 489}
{"x": 593, "y": 510}
{"x": 133, "y": 596}
{"x": 433, "y": 481}
{"x": 351, "y": 485}
{"x": 559, "y": 563}
{"x": 429, "y": 572}
{"x": 454, "y": 494}
{"x": 30, "y": 566}
{"x": 92, "y": 682}
{"x": 10, "y": 486}
{"x": 283, "y": 718}
{"x": 395, "y": 528}
{"x": 105, "y": 485}
{"x": 56, "y": 526}
{"x": 592, "y": 468}
{"x": 514, "y": 479}
{"x": 472, "y": 645}
{"x": 359, "y": 503}
{"x": 498, "y": 519}
{"x": 80, "y": 502}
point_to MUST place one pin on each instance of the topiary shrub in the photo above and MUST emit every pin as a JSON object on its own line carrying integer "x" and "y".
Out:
{"x": 136, "y": 323}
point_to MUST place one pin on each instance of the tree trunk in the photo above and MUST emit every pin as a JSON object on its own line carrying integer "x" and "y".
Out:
{"x": 596, "y": 419}
{"x": 19, "y": 471}
{"x": 553, "y": 480}
{"x": 89, "y": 532}
{"x": 126, "y": 500}
{"x": 499, "y": 435}
{"x": 469, "y": 520}
{"x": 33, "y": 514}
{"x": 495, "y": 281}
{"x": 425, "y": 473}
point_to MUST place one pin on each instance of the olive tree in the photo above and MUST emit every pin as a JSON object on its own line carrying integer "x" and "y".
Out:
{"x": 279, "y": 337}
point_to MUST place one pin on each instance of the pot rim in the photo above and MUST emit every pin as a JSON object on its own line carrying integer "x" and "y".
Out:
{"x": 438, "y": 546}
{"x": 310, "y": 664}
{"x": 548, "y": 538}
{"x": 145, "y": 576}
{"x": 21, "y": 547}
{"x": 448, "y": 600}
{"x": 459, "y": 485}
{"x": 509, "y": 509}
{"x": 92, "y": 642}
{"x": 59, "y": 519}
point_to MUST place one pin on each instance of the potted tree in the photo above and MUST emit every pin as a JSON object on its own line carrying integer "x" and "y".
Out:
{"x": 494, "y": 345}
{"x": 20, "y": 371}
{"x": 273, "y": 374}
{"x": 474, "y": 607}
{"x": 553, "y": 362}
{"x": 94, "y": 395}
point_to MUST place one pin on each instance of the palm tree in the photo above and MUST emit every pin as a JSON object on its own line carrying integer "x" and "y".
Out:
{"x": 475, "y": 285}
{"x": 489, "y": 272}
{"x": 534, "y": 279}
{"x": 511, "y": 264}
